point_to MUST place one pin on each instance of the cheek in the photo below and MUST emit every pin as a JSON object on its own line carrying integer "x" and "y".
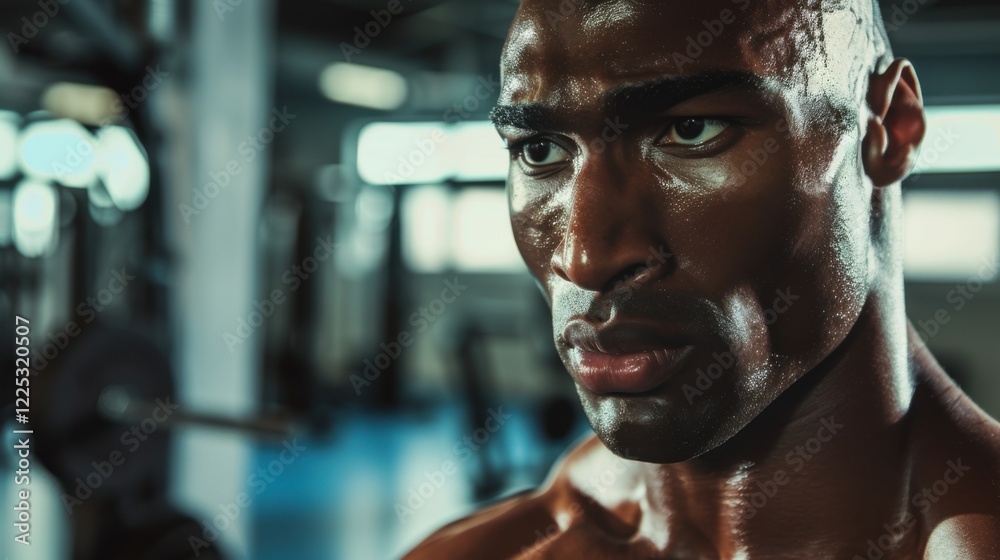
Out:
{"x": 731, "y": 230}
{"x": 779, "y": 249}
{"x": 831, "y": 252}
{"x": 738, "y": 246}
{"x": 537, "y": 219}
{"x": 832, "y": 263}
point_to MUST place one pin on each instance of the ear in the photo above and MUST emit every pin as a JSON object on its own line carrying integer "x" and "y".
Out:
{"x": 896, "y": 126}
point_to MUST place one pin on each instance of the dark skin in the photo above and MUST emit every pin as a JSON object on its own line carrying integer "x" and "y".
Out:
{"x": 746, "y": 220}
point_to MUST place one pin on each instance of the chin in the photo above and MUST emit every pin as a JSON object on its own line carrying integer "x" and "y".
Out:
{"x": 656, "y": 429}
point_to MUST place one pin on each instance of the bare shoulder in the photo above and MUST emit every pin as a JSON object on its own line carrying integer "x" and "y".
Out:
{"x": 956, "y": 487}
{"x": 972, "y": 536}
{"x": 492, "y": 532}
{"x": 960, "y": 497}
{"x": 512, "y": 527}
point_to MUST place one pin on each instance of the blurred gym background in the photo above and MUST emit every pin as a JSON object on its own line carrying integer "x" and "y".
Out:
{"x": 271, "y": 294}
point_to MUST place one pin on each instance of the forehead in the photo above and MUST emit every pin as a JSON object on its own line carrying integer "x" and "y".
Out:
{"x": 566, "y": 52}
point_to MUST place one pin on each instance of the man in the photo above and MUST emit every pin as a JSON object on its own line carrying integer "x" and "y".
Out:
{"x": 708, "y": 194}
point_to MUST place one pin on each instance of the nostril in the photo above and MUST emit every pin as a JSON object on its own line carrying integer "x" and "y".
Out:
{"x": 558, "y": 262}
{"x": 630, "y": 277}
{"x": 559, "y": 271}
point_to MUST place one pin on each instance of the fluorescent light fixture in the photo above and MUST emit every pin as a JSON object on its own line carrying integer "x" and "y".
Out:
{"x": 425, "y": 224}
{"x": 428, "y": 153}
{"x": 467, "y": 231}
{"x": 482, "y": 239}
{"x": 10, "y": 124}
{"x": 951, "y": 236}
{"x": 477, "y": 152}
{"x": 961, "y": 139}
{"x": 93, "y": 105}
{"x": 57, "y": 150}
{"x": 121, "y": 165}
{"x": 36, "y": 208}
{"x": 364, "y": 86}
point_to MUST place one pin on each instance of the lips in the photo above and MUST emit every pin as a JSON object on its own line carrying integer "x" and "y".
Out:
{"x": 624, "y": 357}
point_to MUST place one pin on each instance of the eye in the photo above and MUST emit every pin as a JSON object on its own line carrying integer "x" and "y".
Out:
{"x": 543, "y": 153}
{"x": 691, "y": 131}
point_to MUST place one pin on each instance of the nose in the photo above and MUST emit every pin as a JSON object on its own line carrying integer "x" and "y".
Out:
{"x": 614, "y": 232}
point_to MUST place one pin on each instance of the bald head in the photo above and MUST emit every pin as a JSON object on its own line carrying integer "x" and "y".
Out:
{"x": 824, "y": 48}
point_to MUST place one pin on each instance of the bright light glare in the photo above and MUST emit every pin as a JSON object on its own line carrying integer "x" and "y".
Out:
{"x": 122, "y": 167}
{"x": 36, "y": 210}
{"x": 468, "y": 231}
{"x": 364, "y": 86}
{"x": 57, "y": 150}
{"x": 951, "y": 235}
{"x": 424, "y": 153}
{"x": 477, "y": 153}
{"x": 482, "y": 239}
{"x": 10, "y": 123}
{"x": 961, "y": 139}
{"x": 425, "y": 223}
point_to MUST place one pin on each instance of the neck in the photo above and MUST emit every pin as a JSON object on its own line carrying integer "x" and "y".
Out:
{"x": 833, "y": 468}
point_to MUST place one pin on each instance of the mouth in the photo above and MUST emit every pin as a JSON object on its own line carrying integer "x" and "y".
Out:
{"x": 623, "y": 358}
{"x": 636, "y": 372}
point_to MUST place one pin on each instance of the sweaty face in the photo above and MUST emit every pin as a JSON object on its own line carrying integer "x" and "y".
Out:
{"x": 685, "y": 184}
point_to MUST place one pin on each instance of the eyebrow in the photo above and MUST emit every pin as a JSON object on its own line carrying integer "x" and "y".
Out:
{"x": 526, "y": 116}
{"x": 630, "y": 101}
